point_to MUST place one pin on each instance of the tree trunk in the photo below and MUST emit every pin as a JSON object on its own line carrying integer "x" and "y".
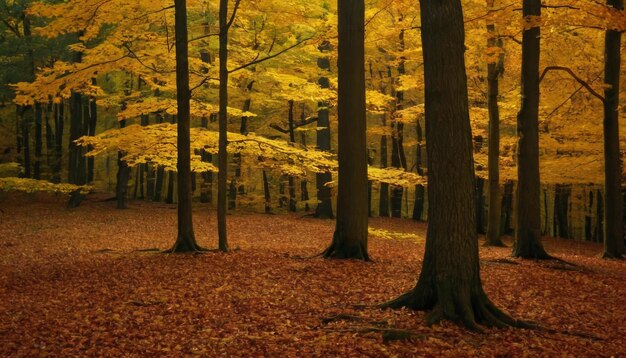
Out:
{"x": 206, "y": 188}
{"x": 185, "y": 241}
{"x": 528, "y": 215}
{"x": 169, "y": 198}
{"x": 291, "y": 179}
{"x": 25, "y": 140}
{"x": 59, "y": 121}
{"x": 324, "y": 209}
{"x": 266, "y": 194}
{"x": 613, "y": 206}
{"x": 350, "y": 237}
{"x": 93, "y": 120}
{"x": 383, "y": 202}
{"x": 561, "y": 210}
{"x": 418, "y": 206}
{"x": 123, "y": 175}
{"x": 222, "y": 175}
{"x": 49, "y": 137}
{"x": 398, "y": 157}
{"x": 38, "y": 142}
{"x": 160, "y": 174}
{"x": 494, "y": 72}
{"x": 75, "y": 176}
{"x": 449, "y": 284}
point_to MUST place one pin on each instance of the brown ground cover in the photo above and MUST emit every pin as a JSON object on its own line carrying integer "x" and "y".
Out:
{"x": 74, "y": 283}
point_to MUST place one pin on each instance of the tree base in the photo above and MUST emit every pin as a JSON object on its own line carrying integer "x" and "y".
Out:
{"x": 497, "y": 243}
{"x": 612, "y": 255}
{"x": 532, "y": 250}
{"x": 468, "y": 306}
{"x": 185, "y": 245}
{"x": 341, "y": 249}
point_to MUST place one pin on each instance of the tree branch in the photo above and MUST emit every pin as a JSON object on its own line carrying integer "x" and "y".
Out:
{"x": 256, "y": 61}
{"x": 578, "y": 79}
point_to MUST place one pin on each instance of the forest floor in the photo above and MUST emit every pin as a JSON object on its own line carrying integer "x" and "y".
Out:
{"x": 75, "y": 283}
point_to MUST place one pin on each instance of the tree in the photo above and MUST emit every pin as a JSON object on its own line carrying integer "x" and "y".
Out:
{"x": 528, "y": 221}
{"x": 449, "y": 284}
{"x": 613, "y": 221}
{"x": 222, "y": 175}
{"x": 186, "y": 241}
{"x": 350, "y": 237}
{"x": 495, "y": 67}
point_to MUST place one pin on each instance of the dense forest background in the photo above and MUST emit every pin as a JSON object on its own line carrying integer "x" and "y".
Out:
{"x": 71, "y": 70}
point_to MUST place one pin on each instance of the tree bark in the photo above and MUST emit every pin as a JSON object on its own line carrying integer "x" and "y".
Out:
{"x": 38, "y": 142}
{"x": 350, "y": 237}
{"x": 418, "y": 206}
{"x": 123, "y": 175}
{"x": 324, "y": 209}
{"x": 222, "y": 175}
{"x": 494, "y": 72}
{"x": 449, "y": 284}
{"x": 613, "y": 205}
{"x": 185, "y": 241}
{"x": 528, "y": 215}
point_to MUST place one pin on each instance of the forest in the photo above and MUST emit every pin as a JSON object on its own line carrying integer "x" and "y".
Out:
{"x": 375, "y": 178}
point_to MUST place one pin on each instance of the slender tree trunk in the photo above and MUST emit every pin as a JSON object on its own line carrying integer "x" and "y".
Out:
{"x": 418, "y": 207}
{"x": 383, "y": 202}
{"x": 26, "y": 140}
{"x": 613, "y": 205}
{"x": 236, "y": 187}
{"x": 93, "y": 121}
{"x": 160, "y": 174}
{"x": 528, "y": 215}
{"x": 185, "y": 241}
{"x": 291, "y": 179}
{"x": 494, "y": 72}
{"x": 449, "y": 284}
{"x": 266, "y": 194}
{"x": 49, "y": 137}
{"x": 398, "y": 157}
{"x": 561, "y": 210}
{"x": 59, "y": 121}
{"x": 123, "y": 175}
{"x": 38, "y": 141}
{"x": 206, "y": 188}
{"x": 350, "y": 237}
{"x": 324, "y": 208}
{"x": 222, "y": 176}
{"x": 169, "y": 198}
{"x": 304, "y": 191}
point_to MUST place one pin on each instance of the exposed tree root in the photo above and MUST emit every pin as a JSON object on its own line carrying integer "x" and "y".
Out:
{"x": 339, "y": 250}
{"x": 185, "y": 246}
{"x": 579, "y": 334}
{"x": 469, "y": 307}
{"x": 500, "y": 261}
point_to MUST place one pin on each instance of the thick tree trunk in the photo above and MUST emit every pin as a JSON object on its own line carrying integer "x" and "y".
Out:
{"x": 494, "y": 71}
{"x": 350, "y": 237}
{"x": 222, "y": 176}
{"x": 528, "y": 215}
{"x": 613, "y": 205}
{"x": 324, "y": 209}
{"x": 185, "y": 241}
{"x": 449, "y": 284}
